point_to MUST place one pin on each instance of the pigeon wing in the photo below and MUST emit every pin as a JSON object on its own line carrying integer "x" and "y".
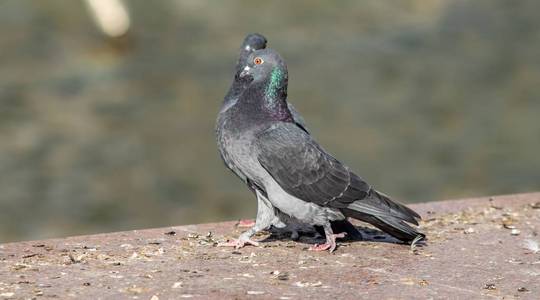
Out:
{"x": 303, "y": 169}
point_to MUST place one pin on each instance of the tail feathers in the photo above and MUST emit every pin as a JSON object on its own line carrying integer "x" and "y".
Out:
{"x": 385, "y": 214}
{"x": 378, "y": 204}
{"x": 398, "y": 208}
{"x": 391, "y": 225}
{"x": 398, "y": 229}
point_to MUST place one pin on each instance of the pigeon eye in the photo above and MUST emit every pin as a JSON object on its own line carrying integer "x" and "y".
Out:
{"x": 258, "y": 61}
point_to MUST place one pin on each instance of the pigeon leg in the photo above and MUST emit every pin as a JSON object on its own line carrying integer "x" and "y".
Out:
{"x": 330, "y": 244}
{"x": 266, "y": 217}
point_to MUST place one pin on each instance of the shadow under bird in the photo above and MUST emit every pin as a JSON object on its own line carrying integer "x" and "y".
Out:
{"x": 264, "y": 141}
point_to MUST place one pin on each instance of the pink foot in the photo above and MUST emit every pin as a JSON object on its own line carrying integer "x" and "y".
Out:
{"x": 330, "y": 244}
{"x": 246, "y": 223}
{"x": 237, "y": 243}
{"x": 320, "y": 247}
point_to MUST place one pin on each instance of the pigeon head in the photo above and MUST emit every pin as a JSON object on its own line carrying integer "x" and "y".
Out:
{"x": 265, "y": 73}
{"x": 252, "y": 42}
{"x": 266, "y": 65}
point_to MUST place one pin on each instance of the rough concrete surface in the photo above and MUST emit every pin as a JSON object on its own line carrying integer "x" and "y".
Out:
{"x": 477, "y": 248}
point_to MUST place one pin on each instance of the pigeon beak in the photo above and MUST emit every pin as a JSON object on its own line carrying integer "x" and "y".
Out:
{"x": 245, "y": 72}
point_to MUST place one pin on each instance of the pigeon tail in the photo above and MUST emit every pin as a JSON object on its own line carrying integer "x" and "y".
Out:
{"x": 387, "y": 215}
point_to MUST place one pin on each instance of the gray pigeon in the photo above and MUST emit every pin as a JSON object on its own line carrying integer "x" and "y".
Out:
{"x": 260, "y": 141}
{"x": 251, "y": 43}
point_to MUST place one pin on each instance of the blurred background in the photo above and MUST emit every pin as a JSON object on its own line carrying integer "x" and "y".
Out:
{"x": 107, "y": 112}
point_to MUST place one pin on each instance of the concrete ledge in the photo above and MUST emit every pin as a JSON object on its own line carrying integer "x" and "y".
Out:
{"x": 477, "y": 248}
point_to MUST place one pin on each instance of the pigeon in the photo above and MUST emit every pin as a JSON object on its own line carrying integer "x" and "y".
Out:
{"x": 261, "y": 142}
{"x": 253, "y": 42}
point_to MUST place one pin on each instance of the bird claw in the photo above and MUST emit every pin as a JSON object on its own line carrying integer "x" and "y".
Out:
{"x": 246, "y": 223}
{"x": 238, "y": 243}
{"x": 330, "y": 244}
{"x": 321, "y": 247}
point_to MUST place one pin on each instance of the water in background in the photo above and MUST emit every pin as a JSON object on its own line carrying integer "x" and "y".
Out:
{"x": 426, "y": 100}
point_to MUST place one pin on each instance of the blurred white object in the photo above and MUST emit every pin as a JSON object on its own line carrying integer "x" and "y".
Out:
{"x": 532, "y": 245}
{"x": 111, "y": 16}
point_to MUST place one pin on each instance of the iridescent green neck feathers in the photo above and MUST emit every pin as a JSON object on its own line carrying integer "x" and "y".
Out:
{"x": 276, "y": 82}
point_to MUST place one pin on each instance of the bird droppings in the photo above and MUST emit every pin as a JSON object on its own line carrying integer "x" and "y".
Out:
{"x": 146, "y": 263}
{"x": 7, "y": 294}
{"x": 469, "y": 230}
{"x": 532, "y": 245}
{"x": 408, "y": 281}
{"x": 135, "y": 290}
{"x": 255, "y": 292}
{"x": 280, "y": 275}
{"x": 303, "y": 284}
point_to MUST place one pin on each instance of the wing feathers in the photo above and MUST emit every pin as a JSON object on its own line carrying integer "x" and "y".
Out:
{"x": 305, "y": 170}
